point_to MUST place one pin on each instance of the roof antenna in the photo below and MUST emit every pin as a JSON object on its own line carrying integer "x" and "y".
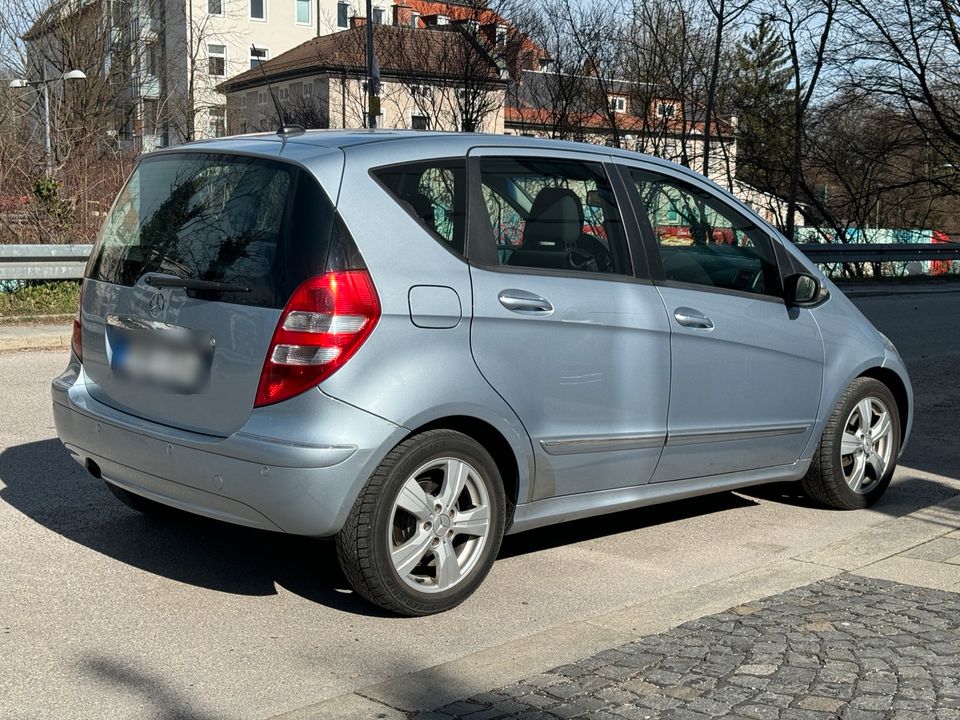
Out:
{"x": 284, "y": 130}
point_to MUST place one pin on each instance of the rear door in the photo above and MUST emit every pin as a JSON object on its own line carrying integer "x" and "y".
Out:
{"x": 562, "y": 328}
{"x": 159, "y": 344}
{"x": 746, "y": 369}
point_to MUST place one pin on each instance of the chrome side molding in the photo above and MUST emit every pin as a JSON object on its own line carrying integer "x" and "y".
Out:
{"x": 609, "y": 443}
{"x": 571, "y": 446}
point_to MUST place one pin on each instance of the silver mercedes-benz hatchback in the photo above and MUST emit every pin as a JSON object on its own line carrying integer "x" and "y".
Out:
{"x": 418, "y": 342}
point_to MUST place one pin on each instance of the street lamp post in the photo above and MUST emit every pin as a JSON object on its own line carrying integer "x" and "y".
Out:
{"x": 45, "y": 84}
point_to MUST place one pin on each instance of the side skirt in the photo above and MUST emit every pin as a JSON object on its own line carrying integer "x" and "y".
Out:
{"x": 573, "y": 507}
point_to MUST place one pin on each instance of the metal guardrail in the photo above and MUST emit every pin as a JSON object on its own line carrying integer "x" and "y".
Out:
{"x": 886, "y": 252}
{"x": 67, "y": 262}
{"x": 43, "y": 262}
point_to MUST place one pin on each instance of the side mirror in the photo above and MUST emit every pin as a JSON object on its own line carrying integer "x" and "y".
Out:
{"x": 803, "y": 290}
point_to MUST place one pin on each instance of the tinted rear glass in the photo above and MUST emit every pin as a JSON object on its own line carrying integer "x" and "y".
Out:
{"x": 225, "y": 218}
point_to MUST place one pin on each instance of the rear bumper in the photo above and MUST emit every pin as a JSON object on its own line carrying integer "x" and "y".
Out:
{"x": 248, "y": 478}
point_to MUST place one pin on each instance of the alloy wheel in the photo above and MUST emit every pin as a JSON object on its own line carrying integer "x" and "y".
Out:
{"x": 439, "y": 525}
{"x": 866, "y": 445}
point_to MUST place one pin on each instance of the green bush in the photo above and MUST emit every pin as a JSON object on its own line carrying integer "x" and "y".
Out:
{"x": 38, "y": 298}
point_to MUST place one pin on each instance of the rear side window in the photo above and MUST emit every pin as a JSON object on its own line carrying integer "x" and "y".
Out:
{"x": 554, "y": 214}
{"x": 434, "y": 193}
{"x": 703, "y": 241}
{"x": 232, "y": 219}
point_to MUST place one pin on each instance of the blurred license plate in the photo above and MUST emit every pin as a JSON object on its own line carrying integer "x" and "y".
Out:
{"x": 167, "y": 356}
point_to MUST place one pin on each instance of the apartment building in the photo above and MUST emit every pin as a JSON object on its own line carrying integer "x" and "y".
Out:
{"x": 164, "y": 58}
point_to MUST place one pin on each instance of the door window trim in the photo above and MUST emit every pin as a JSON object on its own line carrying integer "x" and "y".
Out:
{"x": 651, "y": 246}
{"x": 481, "y": 246}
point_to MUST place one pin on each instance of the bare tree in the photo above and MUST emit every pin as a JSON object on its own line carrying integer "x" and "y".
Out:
{"x": 807, "y": 29}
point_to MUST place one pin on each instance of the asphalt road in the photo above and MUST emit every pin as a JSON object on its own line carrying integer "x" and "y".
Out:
{"x": 107, "y": 614}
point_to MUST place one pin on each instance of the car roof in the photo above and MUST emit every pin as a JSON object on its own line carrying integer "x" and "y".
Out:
{"x": 433, "y": 142}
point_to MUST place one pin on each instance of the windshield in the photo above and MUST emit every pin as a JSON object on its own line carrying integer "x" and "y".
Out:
{"x": 243, "y": 221}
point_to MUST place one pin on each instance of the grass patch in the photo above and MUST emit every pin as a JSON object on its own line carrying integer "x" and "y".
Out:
{"x": 36, "y": 299}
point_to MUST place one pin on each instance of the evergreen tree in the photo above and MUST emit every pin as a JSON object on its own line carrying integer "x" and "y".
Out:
{"x": 761, "y": 93}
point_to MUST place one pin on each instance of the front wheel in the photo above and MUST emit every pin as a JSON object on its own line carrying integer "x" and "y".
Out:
{"x": 858, "y": 451}
{"x": 427, "y": 526}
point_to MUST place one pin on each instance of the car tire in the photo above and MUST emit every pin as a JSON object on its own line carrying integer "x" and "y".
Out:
{"x": 427, "y": 526}
{"x": 137, "y": 502}
{"x": 851, "y": 467}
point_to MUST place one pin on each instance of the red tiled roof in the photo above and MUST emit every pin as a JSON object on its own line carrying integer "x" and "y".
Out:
{"x": 421, "y": 54}
{"x": 542, "y": 117}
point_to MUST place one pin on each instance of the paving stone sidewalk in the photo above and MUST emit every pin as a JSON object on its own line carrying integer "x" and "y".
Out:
{"x": 849, "y": 647}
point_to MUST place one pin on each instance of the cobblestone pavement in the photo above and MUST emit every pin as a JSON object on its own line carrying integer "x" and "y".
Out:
{"x": 848, "y": 647}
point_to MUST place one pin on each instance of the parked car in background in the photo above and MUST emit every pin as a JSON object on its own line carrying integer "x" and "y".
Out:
{"x": 331, "y": 334}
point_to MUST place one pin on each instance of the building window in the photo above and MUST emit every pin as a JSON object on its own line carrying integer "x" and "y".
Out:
{"x": 150, "y": 108}
{"x": 343, "y": 14}
{"x": 501, "y": 34}
{"x": 283, "y": 94}
{"x": 303, "y": 11}
{"x": 443, "y": 20}
{"x": 420, "y": 122}
{"x": 243, "y": 102}
{"x": 665, "y": 110}
{"x": 150, "y": 58}
{"x": 258, "y": 9}
{"x": 378, "y": 16}
{"x": 257, "y": 56}
{"x": 262, "y": 97}
{"x": 415, "y": 19}
{"x": 215, "y": 7}
{"x": 218, "y": 59}
{"x": 618, "y": 103}
{"x": 216, "y": 123}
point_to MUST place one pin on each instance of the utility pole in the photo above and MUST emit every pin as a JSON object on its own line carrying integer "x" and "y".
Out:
{"x": 48, "y": 151}
{"x": 373, "y": 76}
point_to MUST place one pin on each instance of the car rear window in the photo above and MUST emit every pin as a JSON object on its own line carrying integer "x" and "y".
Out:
{"x": 225, "y": 218}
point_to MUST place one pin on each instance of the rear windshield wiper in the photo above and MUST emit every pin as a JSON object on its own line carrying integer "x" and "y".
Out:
{"x": 162, "y": 281}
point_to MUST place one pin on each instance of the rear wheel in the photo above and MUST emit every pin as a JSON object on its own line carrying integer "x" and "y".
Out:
{"x": 427, "y": 526}
{"x": 857, "y": 455}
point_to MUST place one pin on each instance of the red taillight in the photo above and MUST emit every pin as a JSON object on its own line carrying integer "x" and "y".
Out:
{"x": 324, "y": 323}
{"x": 76, "y": 338}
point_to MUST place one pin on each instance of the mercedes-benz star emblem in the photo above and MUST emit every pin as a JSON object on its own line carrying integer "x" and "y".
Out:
{"x": 156, "y": 305}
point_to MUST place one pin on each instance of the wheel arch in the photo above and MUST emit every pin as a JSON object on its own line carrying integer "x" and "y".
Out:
{"x": 493, "y": 441}
{"x": 892, "y": 380}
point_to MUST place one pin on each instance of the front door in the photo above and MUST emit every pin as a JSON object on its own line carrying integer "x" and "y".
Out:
{"x": 562, "y": 329}
{"x": 746, "y": 369}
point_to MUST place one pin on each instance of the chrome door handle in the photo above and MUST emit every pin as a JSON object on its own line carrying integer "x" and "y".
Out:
{"x": 525, "y": 303}
{"x": 688, "y": 317}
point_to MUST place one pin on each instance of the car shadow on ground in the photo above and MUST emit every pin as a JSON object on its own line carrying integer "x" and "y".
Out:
{"x": 42, "y": 482}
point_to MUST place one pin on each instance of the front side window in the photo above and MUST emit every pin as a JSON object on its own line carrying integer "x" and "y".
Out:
{"x": 343, "y": 12}
{"x": 554, "y": 214}
{"x": 433, "y": 192}
{"x": 303, "y": 11}
{"x": 258, "y": 9}
{"x": 217, "y": 55}
{"x": 703, "y": 241}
